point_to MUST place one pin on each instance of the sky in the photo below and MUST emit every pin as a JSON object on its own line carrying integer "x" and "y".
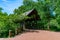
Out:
{"x": 9, "y": 5}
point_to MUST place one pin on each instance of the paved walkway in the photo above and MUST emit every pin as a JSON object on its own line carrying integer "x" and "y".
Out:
{"x": 37, "y": 35}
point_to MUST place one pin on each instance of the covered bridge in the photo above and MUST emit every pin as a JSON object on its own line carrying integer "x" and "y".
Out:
{"x": 29, "y": 19}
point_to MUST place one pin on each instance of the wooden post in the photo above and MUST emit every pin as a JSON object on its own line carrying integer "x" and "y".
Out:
{"x": 0, "y": 32}
{"x": 24, "y": 26}
{"x": 48, "y": 26}
{"x": 19, "y": 30}
{"x": 16, "y": 31}
{"x": 10, "y": 33}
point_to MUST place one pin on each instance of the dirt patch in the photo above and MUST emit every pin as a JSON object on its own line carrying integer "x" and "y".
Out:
{"x": 37, "y": 35}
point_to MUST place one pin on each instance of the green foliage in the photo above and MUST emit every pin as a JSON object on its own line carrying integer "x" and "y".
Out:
{"x": 7, "y": 22}
{"x": 43, "y": 8}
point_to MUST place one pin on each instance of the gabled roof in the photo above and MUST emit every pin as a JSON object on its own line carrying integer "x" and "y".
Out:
{"x": 28, "y": 12}
{"x": 24, "y": 15}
